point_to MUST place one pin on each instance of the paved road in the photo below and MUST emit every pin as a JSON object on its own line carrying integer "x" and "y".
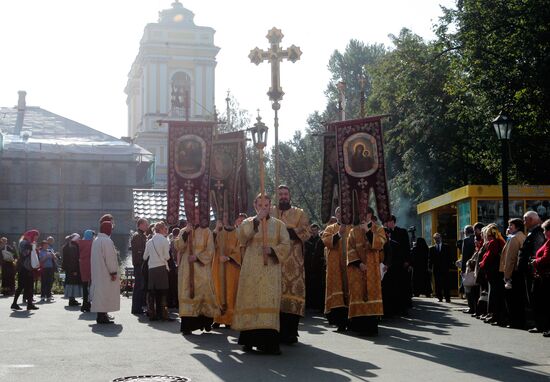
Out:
{"x": 436, "y": 342}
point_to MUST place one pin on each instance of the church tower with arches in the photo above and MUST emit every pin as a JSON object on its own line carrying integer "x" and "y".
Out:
{"x": 173, "y": 76}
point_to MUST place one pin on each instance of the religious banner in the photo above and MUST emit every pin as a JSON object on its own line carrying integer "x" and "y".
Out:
{"x": 228, "y": 179}
{"x": 329, "y": 187}
{"x": 360, "y": 160}
{"x": 189, "y": 150}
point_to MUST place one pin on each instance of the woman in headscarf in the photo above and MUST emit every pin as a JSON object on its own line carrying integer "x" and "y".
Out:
{"x": 24, "y": 269}
{"x": 490, "y": 264}
{"x": 105, "y": 288}
{"x": 73, "y": 283}
{"x": 85, "y": 251}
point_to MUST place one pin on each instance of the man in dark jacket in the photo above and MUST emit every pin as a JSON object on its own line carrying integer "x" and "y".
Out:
{"x": 523, "y": 278}
{"x": 138, "y": 248}
{"x": 440, "y": 262}
{"x": 468, "y": 247}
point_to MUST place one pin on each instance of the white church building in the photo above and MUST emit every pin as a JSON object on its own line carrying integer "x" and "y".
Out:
{"x": 176, "y": 62}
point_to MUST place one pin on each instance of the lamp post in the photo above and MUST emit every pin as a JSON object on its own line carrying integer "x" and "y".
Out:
{"x": 503, "y": 129}
{"x": 259, "y": 139}
{"x": 363, "y": 85}
{"x": 341, "y": 87}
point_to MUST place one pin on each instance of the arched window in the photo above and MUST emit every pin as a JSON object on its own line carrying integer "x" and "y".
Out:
{"x": 181, "y": 91}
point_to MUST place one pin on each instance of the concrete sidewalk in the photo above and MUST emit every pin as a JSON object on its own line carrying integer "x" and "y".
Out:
{"x": 436, "y": 342}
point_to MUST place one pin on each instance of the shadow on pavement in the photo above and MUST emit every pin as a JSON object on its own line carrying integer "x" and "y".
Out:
{"x": 21, "y": 313}
{"x": 431, "y": 317}
{"x": 426, "y": 316}
{"x": 298, "y": 362}
{"x": 109, "y": 330}
{"x": 313, "y": 324}
{"x": 72, "y": 308}
{"x": 474, "y": 361}
{"x": 166, "y": 326}
{"x": 87, "y": 316}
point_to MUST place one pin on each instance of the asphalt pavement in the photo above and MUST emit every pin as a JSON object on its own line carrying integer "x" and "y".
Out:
{"x": 436, "y": 342}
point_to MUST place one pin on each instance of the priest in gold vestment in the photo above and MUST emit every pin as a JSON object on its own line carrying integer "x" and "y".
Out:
{"x": 335, "y": 238}
{"x": 226, "y": 268}
{"x": 365, "y": 254}
{"x": 197, "y": 302}
{"x": 258, "y": 303}
{"x": 293, "y": 301}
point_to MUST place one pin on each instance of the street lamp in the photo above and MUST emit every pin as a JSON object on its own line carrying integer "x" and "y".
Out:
{"x": 259, "y": 138}
{"x": 503, "y": 129}
{"x": 259, "y": 134}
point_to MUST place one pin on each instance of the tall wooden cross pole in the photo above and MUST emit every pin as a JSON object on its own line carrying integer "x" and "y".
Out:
{"x": 275, "y": 54}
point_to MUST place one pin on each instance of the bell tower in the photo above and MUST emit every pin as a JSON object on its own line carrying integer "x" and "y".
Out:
{"x": 173, "y": 76}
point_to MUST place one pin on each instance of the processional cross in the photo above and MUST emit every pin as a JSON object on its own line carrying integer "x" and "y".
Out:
{"x": 275, "y": 54}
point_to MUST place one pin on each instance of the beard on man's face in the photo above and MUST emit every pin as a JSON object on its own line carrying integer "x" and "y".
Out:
{"x": 284, "y": 204}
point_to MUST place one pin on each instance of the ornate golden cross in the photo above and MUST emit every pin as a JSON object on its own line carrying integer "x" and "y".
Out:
{"x": 275, "y": 54}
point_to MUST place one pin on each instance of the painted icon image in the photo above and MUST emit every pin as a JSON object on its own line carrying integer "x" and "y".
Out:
{"x": 190, "y": 156}
{"x": 360, "y": 155}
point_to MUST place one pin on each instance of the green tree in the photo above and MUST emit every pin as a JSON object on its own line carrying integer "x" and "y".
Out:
{"x": 349, "y": 66}
{"x": 439, "y": 138}
{"x": 302, "y": 156}
{"x": 301, "y": 166}
{"x": 503, "y": 50}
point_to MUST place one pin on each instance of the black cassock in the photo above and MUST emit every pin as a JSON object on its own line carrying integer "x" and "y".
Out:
{"x": 396, "y": 285}
{"x": 315, "y": 268}
{"x": 421, "y": 274}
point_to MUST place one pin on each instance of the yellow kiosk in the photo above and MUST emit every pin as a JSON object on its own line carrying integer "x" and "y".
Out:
{"x": 450, "y": 212}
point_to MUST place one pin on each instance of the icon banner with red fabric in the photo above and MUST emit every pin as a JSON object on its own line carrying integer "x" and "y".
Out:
{"x": 360, "y": 167}
{"x": 228, "y": 179}
{"x": 189, "y": 153}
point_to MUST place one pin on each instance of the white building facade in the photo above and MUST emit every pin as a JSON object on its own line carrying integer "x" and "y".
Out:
{"x": 175, "y": 66}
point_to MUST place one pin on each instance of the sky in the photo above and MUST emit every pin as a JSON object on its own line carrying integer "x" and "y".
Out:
{"x": 73, "y": 56}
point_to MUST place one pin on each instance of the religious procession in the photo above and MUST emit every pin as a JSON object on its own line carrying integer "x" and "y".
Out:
{"x": 248, "y": 276}
{"x": 391, "y": 222}
{"x": 256, "y": 275}
{"x": 246, "y": 273}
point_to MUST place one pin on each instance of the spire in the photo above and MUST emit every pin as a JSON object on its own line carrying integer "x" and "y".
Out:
{"x": 228, "y": 111}
{"x": 21, "y": 107}
{"x": 177, "y": 15}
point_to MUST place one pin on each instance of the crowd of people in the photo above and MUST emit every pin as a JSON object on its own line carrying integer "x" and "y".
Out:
{"x": 507, "y": 279}
{"x": 258, "y": 274}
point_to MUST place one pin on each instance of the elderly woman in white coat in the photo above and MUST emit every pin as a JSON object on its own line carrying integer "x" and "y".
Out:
{"x": 105, "y": 288}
